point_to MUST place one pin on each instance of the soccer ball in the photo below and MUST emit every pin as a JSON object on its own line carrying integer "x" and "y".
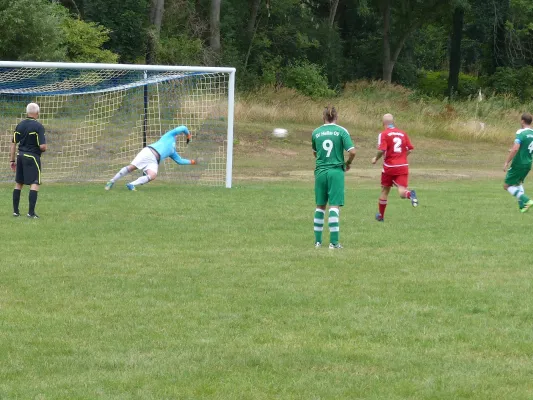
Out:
{"x": 280, "y": 133}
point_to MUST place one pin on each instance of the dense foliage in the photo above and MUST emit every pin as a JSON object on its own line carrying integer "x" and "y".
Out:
{"x": 444, "y": 48}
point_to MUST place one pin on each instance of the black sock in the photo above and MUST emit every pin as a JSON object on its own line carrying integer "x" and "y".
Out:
{"x": 33, "y": 201}
{"x": 16, "y": 200}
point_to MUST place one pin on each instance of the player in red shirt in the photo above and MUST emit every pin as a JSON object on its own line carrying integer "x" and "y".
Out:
{"x": 394, "y": 146}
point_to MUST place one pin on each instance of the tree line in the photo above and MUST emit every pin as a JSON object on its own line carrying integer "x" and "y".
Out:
{"x": 442, "y": 47}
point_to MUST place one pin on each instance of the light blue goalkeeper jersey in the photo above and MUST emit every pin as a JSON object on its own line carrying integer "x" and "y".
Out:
{"x": 166, "y": 146}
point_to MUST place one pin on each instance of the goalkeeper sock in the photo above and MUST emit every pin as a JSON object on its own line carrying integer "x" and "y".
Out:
{"x": 333, "y": 223}
{"x": 123, "y": 172}
{"x": 141, "y": 181}
{"x": 16, "y": 200}
{"x": 319, "y": 224}
{"x": 33, "y": 201}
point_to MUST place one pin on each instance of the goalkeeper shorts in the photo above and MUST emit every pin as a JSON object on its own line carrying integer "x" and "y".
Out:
{"x": 146, "y": 160}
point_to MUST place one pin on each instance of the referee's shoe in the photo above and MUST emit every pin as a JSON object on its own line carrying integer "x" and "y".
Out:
{"x": 33, "y": 216}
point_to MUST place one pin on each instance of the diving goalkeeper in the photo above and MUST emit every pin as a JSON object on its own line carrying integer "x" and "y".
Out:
{"x": 149, "y": 158}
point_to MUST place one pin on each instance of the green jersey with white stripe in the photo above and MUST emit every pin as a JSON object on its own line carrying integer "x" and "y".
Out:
{"x": 330, "y": 141}
{"x": 524, "y": 156}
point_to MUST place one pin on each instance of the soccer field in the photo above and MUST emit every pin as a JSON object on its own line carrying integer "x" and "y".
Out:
{"x": 184, "y": 292}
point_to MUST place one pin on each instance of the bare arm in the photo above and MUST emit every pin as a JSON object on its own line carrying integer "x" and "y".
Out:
{"x": 12, "y": 161}
{"x": 379, "y": 154}
{"x": 511, "y": 155}
{"x": 43, "y": 148}
{"x": 351, "y": 156}
{"x": 12, "y": 151}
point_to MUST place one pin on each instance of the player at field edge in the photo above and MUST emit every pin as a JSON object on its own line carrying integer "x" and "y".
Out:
{"x": 520, "y": 159}
{"x": 31, "y": 140}
{"x": 151, "y": 156}
{"x": 394, "y": 146}
{"x": 329, "y": 142}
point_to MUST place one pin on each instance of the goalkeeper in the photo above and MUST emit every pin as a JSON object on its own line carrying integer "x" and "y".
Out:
{"x": 151, "y": 156}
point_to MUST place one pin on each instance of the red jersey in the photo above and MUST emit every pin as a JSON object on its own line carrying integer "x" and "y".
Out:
{"x": 395, "y": 143}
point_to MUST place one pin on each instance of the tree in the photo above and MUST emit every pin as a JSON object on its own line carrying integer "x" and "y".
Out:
{"x": 332, "y": 12}
{"x": 127, "y": 21}
{"x": 455, "y": 49}
{"x": 29, "y": 30}
{"x": 83, "y": 42}
{"x": 400, "y": 20}
{"x": 214, "y": 27}
{"x": 157, "y": 8}
{"x": 254, "y": 11}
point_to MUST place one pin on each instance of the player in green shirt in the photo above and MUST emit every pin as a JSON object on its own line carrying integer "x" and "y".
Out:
{"x": 329, "y": 142}
{"x": 521, "y": 157}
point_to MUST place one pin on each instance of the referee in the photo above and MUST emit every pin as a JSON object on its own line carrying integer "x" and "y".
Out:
{"x": 29, "y": 134}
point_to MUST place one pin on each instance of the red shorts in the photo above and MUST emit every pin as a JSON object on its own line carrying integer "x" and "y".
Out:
{"x": 389, "y": 180}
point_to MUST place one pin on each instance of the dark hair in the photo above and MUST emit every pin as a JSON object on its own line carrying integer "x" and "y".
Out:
{"x": 330, "y": 114}
{"x": 527, "y": 118}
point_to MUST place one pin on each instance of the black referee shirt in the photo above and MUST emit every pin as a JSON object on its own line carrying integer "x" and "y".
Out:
{"x": 29, "y": 134}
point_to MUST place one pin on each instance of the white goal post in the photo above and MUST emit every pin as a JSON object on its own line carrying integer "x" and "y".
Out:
{"x": 99, "y": 116}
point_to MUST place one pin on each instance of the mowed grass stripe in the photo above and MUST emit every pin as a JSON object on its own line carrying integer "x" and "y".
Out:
{"x": 187, "y": 292}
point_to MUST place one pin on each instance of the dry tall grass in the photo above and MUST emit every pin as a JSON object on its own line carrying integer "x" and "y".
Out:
{"x": 362, "y": 104}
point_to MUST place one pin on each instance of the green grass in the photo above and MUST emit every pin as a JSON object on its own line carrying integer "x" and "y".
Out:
{"x": 189, "y": 292}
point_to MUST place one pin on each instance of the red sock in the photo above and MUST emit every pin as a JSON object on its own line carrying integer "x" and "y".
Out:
{"x": 382, "y": 206}
{"x": 407, "y": 194}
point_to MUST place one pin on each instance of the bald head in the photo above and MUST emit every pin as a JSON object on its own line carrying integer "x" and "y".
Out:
{"x": 388, "y": 119}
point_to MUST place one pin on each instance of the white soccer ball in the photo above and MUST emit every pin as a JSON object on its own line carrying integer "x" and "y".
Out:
{"x": 280, "y": 132}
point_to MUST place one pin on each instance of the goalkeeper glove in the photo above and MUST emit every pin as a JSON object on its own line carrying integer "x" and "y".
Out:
{"x": 189, "y": 138}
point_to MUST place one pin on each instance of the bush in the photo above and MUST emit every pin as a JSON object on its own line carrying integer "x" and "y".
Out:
{"x": 180, "y": 50}
{"x": 84, "y": 42}
{"x": 435, "y": 84}
{"x": 514, "y": 82}
{"x": 308, "y": 79}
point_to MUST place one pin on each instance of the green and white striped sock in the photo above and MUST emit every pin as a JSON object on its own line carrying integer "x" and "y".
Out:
{"x": 333, "y": 223}
{"x": 319, "y": 224}
{"x": 518, "y": 192}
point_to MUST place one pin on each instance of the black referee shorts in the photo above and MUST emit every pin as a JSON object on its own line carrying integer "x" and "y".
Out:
{"x": 28, "y": 169}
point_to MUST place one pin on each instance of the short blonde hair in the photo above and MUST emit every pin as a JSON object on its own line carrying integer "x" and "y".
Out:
{"x": 32, "y": 108}
{"x": 388, "y": 119}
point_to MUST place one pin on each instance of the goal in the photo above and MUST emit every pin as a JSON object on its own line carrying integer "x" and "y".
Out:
{"x": 99, "y": 116}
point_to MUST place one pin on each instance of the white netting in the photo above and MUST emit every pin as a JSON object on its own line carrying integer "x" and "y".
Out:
{"x": 96, "y": 121}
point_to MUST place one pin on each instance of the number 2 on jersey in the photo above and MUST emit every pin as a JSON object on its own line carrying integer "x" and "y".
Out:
{"x": 397, "y": 145}
{"x": 328, "y": 146}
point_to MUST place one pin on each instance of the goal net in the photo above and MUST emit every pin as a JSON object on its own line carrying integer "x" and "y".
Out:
{"x": 97, "y": 117}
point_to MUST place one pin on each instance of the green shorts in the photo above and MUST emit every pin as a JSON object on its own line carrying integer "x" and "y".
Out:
{"x": 329, "y": 187}
{"x": 516, "y": 175}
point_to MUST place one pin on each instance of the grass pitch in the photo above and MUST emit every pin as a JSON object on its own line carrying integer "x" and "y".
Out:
{"x": 183, "y": 292}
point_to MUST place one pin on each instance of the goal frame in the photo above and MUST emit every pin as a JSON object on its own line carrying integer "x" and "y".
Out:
{"x": 146, "y": 68}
